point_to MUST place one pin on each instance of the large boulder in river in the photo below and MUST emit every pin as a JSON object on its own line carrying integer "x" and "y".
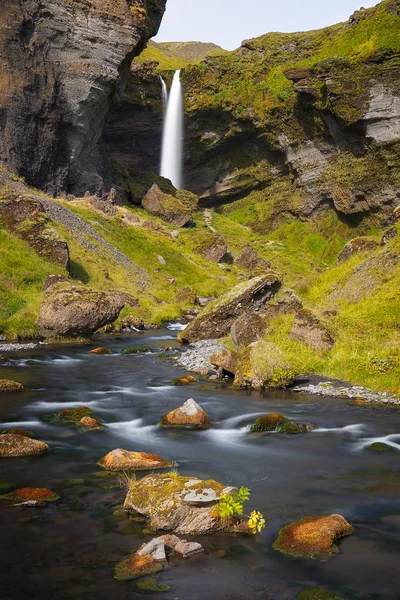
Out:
{"x": 184, "y": 505}
{"x": 248, "y": 328}
{"x": 308, "y": 330}
{"x": 122, "y": 460}
{"x": 264, "y": 365}
{"x": 167, "y": 207}
{"x": 188, "y": 416}
{"x": 216, "y": 319}
{"x": 315, "y": 537}
{"x": 14, "y": 446}
{"x": 70, "y": 311}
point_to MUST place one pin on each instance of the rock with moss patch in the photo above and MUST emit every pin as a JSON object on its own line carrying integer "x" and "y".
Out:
{"x": 14, "y": 446}
{"x": 212, "y": 246}
{"x": 141, "y": 350}
{"x": 216, "y": 319}
{"x": 247, "y": 329}
{"x": 188, "y": 416}
{"x": 360, "y": 244}
{"x": 162, "y": 499}
{"x": 136, "y": 566}
{"x": 74, "y": 415}
{"x": 381, "y": 447}
{"x": 314, "y": 537}
{"x": 264, "y": 365}
{"x": 250, "y": 260}
{"x": 185, "y": 380}
{"x": 226, "y": 359}
{"x": 268, "y": 422}
{"x": 38, "y": 495}
{"x": 123, "y": 460}
{"x": 8, "y": 386}
{"x": 308, "y": 330}
{"x": 293, "y": 428}
{"x": 170, "y": 209}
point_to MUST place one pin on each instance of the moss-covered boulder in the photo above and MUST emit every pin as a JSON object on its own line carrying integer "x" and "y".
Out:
{"x": 123, "y": 460}
{"x": 314, "y": 536}
{"x": 136, "y": 566}
{"x": 140, "y": 350}
{"x": 308, "y": 330}
{"x": 225, "y": 359}
{"x": 251, "y": 261}
{"x": 268, "y": 422}
{"x": 74, "y": 415}
{"x": 216, "y": 319}
{"x": 90, "y": 423}
{"x": 264, "y": 365}
{"x": 247, "y": 329}
{"x": 212, "y": 246}
{"x": 188, "y": 416}
{"x": 293, "y": 428}
{"x": 37, "y": 495}
{"x": 170, "y": 209}
{"x": 381, "y": 447}
{"x": 14, "y": 446}
{"x": 184, "y": 505}
{"x": 185, "y": 380}
{"x": 9, "y": 386}
{"x": 23, "y": 432}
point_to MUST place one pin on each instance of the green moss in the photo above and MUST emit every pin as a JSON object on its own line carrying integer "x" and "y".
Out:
{"x": 381, "y": 447}
{"x": 319, "y": 594}
{"x": 269, "y": 422}
{"x": 150, "y": 584}
{"x": 142, "y": 350}
{"x": 6, "y": 486}
{"x": 290, "y": 427}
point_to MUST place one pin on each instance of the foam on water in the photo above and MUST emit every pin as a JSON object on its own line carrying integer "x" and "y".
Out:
{"x": 133, "y": 430}
{"x": 387, "y": 439}
{"x": 176, "y": 326}
{"x": 357, "y": 429}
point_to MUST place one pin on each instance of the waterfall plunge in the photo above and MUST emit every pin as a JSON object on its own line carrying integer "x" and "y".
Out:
{"x": 164, "y": 94}
{"x": 172, "y": 143}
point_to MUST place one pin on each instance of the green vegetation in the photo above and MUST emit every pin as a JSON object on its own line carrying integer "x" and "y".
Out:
{"x": 172, "y": 56}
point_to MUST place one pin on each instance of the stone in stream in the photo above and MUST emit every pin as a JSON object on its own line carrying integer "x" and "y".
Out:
{"x": 382, "y": 447}
{"x": 189, "y": 416}
{"x": 100, "y": 351}
{"x": 90, "y": 423}
{"x": 14, "y": 446}
{"x": 185, "y": 380}
{"x": 183, "y": 505}
{"x": 314, "y": 537}
{"x": 8, "y": 386}
{"x": 38, "y": 496}
{"x": 268, "y": 422}
{"x": 123, "y": 460}
{"x": 23, "y": 432}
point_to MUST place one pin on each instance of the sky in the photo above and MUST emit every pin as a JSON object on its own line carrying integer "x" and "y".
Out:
{"x": 228, "y": 22}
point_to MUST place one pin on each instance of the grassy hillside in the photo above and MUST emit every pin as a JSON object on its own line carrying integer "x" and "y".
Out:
{"x": 178, "y": 55}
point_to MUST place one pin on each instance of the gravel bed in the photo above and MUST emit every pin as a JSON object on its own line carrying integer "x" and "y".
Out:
{"x": 197, "y": 356}
{"x": 356, "y": 392}
{"x": 17, "y": 347}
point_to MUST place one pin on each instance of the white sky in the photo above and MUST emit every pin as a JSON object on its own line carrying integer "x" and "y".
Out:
{"x": 228, "y": 22}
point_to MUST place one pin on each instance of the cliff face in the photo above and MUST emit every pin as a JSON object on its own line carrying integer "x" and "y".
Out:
{"x": 62, "y": 62}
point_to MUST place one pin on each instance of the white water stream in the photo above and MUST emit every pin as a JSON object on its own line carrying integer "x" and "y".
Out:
{"x": 172, "y": 143}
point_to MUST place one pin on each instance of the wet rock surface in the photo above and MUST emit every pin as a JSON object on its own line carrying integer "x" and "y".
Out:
{"x": 123, "y": 460}
{"x": 14, "y": 446}
{"x": 354, "y": 393}
{"x": 189, "y": 416}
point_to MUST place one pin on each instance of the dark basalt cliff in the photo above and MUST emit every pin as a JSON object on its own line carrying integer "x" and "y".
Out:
{"x": 62, "y": 64}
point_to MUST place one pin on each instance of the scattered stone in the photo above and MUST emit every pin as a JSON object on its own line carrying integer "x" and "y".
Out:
{"x": 23, "y": 432}
{"x": 160, "y": 498}
{"x": 248, "y": 328}
{"x": 268, "y": 422}
{"x": 14, "y": 446}
{"x": 285, "y": 302}
{"x": 166, "y": 207}
{"x": 122, "y": 460}
{"x": 185, "y": 380}
{"x": 197, "y": 357}
{"x": 155, "y": 549}
{"x": 39, "y": 496}
{"x": 308, "y": 330}
{"x": 189, "y": 416}
{"x": 250, "y": 260}
{"x": 226, "y": 359}
{"x": 8, "y": 386}
{"x": 216, "y": 319}
{"x": 389, "y": 235}
{"x": 360, "y": 244}
{"x": 359, "y": 396}
{"x": 203, "y": 301}
{"x": 90, "y": 423}
{"x": 161, "y": 260}
{"x": 175, "y": 234}
{"x": 381, "y": 447}
{"x": 100, "y": 351}
{"x": 214, "y": 248}
{"x": 187, "y": 549}
{"x": 314, "y": 537}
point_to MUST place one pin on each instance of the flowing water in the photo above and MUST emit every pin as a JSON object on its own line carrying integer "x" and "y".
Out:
{"x": 172, "y": 140}
{"x": 67, "y": 550}
{"x": 164, "y": 94}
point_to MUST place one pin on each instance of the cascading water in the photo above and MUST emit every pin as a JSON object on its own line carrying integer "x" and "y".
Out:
{"x": 164, "y": 94}
{"x": 172, "y": 143}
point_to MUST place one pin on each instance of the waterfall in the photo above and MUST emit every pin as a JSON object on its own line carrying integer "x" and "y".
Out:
{"x": 172, "y": 143}
{"x": 164, "y": 94}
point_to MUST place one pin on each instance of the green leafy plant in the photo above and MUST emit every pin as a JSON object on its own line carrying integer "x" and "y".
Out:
{"x": 232, "y": 504}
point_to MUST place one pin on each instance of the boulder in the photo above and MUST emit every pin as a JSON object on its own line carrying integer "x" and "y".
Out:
{"x": 314, "y": 536}
{"x": 216, "y": 319}
{"x": 308, "y": 330}
{"x": 264, "y": 365}
{"x": 225, "y": 359}
{"x": 285, "y": 302}
{"x": 14, "y": 446}
{"x": 23, "y": 432}
{"x": 136, "y": 566}
{"x": 360, "y": 244}
{"x": 90, "y": 423}
{"x": 250, "y": 260}
{"x": 70, "y": 311}
{"x": 100, "y": 351}
{"x": 248, "y": 328}
{"x": 8, "y": 386}
{"x": 166, "y": 207}
{"x": 381, "y": 447}
{"x": 187, "y": 549}
{"x": 162, "y": 499}
{"x": 38, "y": 495}
{"x": 74, "y": 415}
{"x": 188, "y": 416}
{"x": 293, "y": 428}
{"x": 213, "y": 247}
{"x": 122, "y": 460}
{"x": 268, "y": 422}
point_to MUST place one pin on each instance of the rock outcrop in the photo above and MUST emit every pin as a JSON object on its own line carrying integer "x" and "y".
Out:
{"x": 167, "y": 207}
{"x": 361, "y": 244}
{"x": 8, "y": 386}
{"x": 184, "y": 505}
{"x": 123, "y": 460}
{"x": 188, "y": 416}
{"x": 14, "y": 446}
{"x": 70, "y": 311}
{"x": 248, "y": 328}
{"x": 308, "y": 330}
{"x": 216, "y": 319}
{"x": 63, "y": 64}
{"x": 226, "y": 359}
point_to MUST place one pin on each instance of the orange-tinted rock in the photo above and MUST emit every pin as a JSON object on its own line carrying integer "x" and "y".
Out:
{"x": 185, "y": 380}
{"x": 6, "y": 385}
{"x": 226, "y": 359}
{"x": 23, "y": 432}
{"x": 74, "y": 415}
{"x": 90, "y": 423}
{"x": 13, "y": 446}
{"x": 189, "y": 416}
{"x": 315, "y": 537}
{"x": 136, "y": 566}
{"x": 39, "y": 495}
{"x": 100, "y": 351}
{"x": 122, "y": 460}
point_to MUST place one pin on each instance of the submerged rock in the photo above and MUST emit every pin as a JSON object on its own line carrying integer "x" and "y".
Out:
{"x": 74, "y": 415}
{"x": 122, "y": 460}
{"x": 216, "y": 319}
{"x": 39, "y": 496}
{"x": 185, "y": 380}
{"x": 8, "y": 386}
{"x": 381, "y": 447}
{"x": 315, "y": 537}
{"x": 167, "y": 207}
{"x": 189, "y": 416}
{"x": 136, "y": 566}
{"x": 100, "y": 351}
{"x": 14, "y": 446}
{"x": 308, "y": 330}
{"x": 162, "y": 499}
{"x": 293, "y": 428}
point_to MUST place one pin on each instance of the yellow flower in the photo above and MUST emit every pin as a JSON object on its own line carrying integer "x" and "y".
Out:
{"x": 256, "y": 522}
